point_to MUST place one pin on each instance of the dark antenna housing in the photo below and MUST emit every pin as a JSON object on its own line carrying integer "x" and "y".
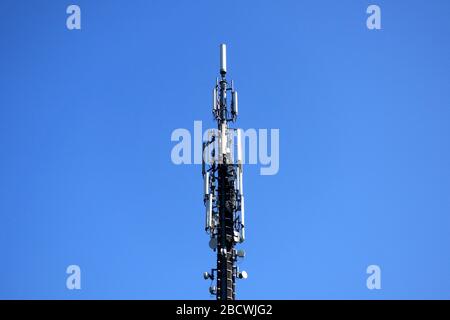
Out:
{"x": 223, "y": 188}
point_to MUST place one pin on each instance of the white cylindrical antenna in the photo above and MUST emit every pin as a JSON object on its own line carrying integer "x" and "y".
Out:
{"x": 203, "y": 159}
{"x": 206, "y": 184}
{"x": 208, "y": 222}
{"x": 241, "y": 184}
{"x": 207, "y": 216}
{"x": 239, "y": 146}
{"x": 215, "y": 99}
{"x": 219, "y": 144}
{"x": 210, "y": 211}
{"x": 242, "y": 238}
{"x": 223, "y": 139}
{"x": 234, "y": 103}
{"x": 223, "y": 58}
{"x": 237, "y": 183}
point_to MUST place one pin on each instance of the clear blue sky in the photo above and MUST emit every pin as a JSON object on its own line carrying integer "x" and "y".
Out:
{"x": 86, "y": 176}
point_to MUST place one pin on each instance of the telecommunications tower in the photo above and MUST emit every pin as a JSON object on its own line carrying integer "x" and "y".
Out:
{"x": 223, "y": 188}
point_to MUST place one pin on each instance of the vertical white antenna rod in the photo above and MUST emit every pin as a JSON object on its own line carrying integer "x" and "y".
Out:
{"x": 223, "y": 59}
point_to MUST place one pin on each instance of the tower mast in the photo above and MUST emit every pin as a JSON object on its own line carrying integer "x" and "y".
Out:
{"x": 223, "y": 188}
